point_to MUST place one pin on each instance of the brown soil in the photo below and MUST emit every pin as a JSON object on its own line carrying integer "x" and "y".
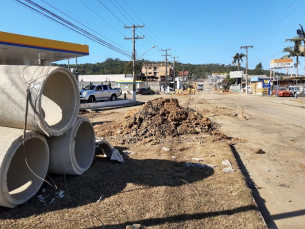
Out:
{"x": 156, "y": 119}
{"x": 154, "y": 187}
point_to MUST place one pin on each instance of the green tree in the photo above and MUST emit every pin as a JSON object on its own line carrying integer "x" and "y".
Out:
{"x": 293, "y": 52}
{"x": 237, "y": 58}
{"x": 298, "y": 49}
{"x": 258, "y": 69}
{"x": 128, "y": 68}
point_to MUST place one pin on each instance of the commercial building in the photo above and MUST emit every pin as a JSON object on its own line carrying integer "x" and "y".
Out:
{"x": 157, "y": 72}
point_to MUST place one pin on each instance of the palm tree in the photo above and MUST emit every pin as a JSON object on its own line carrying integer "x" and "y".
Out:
{"x": 293, "y": 52}
{"x": 238, "y": 57}
{"x": 298, "y": 49}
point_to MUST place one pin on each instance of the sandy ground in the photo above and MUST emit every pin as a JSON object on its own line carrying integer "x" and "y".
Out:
{"x": 275, "y": 125}
{"x": 173, "y": 180}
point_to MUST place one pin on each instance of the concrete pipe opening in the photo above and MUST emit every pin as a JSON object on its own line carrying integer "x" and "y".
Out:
{"x": 53, "y": 99}
{"x": 59, "y": 102}
{"x": 105, "y": 148}
{"x": 73, "y": 152}
{"x": 23, "y": 167}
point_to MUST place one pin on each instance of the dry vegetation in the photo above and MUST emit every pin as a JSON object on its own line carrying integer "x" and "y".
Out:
{"x": 153, "y": 187}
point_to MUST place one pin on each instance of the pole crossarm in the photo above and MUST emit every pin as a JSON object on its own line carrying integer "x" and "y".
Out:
{"x": 165, "y": 50}
{"x": 174, "y": 64}
{"x": 134, "y": 27}
{"x": 246, "y": 47}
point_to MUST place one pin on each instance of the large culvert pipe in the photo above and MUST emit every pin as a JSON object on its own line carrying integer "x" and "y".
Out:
{"x": 73, "y": 152}
{"x": 53, "y": 98}
{"x": 23, "y": 167}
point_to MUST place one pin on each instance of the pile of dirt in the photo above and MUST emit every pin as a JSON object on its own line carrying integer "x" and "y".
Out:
{"x": 156, "y": 119}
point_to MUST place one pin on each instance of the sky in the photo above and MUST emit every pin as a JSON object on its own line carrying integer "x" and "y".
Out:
{"x": 193, "y": 31}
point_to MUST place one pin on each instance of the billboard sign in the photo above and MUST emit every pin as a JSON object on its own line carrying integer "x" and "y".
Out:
{"x": 281, "y": 63}
{"x": 236, "y": 74}
{"x": 266, "y": 86}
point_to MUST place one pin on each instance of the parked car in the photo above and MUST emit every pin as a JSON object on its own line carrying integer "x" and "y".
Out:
{"x": 296, "y": 90}
{"x": 282, "y": 91}
{"x": 143, "y": 91}
{"x": 200, "y": 87}
{"x": 119, "y": 89}
{"x": 95, "y": 92}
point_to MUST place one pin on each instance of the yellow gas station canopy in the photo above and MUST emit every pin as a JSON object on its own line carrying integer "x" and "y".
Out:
{"x": 18, "y": 49}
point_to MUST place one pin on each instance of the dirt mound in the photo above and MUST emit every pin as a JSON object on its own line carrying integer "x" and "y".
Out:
{"x": 155, "y": 119}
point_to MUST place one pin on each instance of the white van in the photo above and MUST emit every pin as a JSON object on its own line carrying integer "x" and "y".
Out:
{"x": 200, "y": 87}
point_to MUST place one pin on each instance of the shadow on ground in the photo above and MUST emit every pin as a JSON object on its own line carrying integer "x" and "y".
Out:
{"x": 104, "y": 179}
{"x": 259, "y": 200}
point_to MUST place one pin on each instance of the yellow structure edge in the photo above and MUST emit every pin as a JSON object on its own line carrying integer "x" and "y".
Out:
{"x": 281, "y": 61}
{"x": 42, "y": 43}
{"x": 127, "y": 81}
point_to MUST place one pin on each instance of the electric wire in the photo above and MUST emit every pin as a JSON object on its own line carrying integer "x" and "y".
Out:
{"x": 73, "y": 27}
{"x": 144, "y": 23}
{"x": 61, "y": 11}
{"x": 120, "y": 12}
{"x": 277, "y": 17}
{"x": 146, "y": 38}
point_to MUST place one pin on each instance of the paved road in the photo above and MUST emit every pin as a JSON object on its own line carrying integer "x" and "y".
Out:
{"x": 276, "y": 125}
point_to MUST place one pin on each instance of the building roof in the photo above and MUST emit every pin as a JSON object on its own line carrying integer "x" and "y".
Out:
{"x": 20, "y": 49}
{"x": 258, "y": 77}
{"x": 104, "y": 78}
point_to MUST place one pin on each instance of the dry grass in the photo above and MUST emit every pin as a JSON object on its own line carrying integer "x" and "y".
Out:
{"x": 299, "y": 100}
{"x": 150, "y": 188}
{"x": 153, "y": 187}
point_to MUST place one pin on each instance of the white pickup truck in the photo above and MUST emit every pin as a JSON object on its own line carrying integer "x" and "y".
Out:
{"x": 94, "y": 92}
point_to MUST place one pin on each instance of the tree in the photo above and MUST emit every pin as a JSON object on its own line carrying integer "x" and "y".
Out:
{"x": 298, "y": 49}
{"x": 237, "y": 58}
{"x": 258, "y": 69}
{"x": 294, "y": 52}
{"x": 128, "y": 68}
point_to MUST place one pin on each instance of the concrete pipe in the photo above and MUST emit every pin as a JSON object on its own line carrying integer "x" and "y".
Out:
{"x": 23, "y": 167}
{"x": 53, "y": 98}
{"x": 105, "y": 148}
{"x": 73, "y": 152}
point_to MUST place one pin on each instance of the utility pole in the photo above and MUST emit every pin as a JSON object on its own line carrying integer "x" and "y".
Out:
{"x": 174, "y": 67}
{"x": 246, "y": 47}
{"x": 133, "y": 55}
{"x": 166, "y": 63}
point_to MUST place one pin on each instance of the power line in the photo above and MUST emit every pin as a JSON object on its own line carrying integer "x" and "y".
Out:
{"x": 111, "y": 12}
{"x": 71, "y": 17}
{"x": 120, "y": 11}
{"x": 101, "y": 18}
{"x": 71, "y": 26}
{"x": 146, "y": 25}
{"x": 277, "y": 17}
{"x": 133, "y": 54}
{"x": 117, "y": 16}
{"x": 166, "y": 61}
{"x": 246, "y": 47}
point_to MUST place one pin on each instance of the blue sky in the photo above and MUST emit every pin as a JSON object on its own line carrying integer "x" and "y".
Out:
{"x": 198, "y": 31}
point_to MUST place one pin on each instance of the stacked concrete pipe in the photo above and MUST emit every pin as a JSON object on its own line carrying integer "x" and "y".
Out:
{"x": 73, "y": 152}
{"x": 23, "y": 165}
{"x": 53, "y": 98}
{"x": 40, "y": 99}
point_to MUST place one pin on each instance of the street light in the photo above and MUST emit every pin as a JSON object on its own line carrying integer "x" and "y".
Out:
{"x": 143, "y": 55}
{"x": 147, "y": 51}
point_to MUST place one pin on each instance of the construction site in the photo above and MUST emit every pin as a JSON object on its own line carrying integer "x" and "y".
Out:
{"x": 171, "y": 160}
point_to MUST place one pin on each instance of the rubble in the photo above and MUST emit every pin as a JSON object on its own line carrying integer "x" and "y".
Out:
{"x": 156, "y": 119}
